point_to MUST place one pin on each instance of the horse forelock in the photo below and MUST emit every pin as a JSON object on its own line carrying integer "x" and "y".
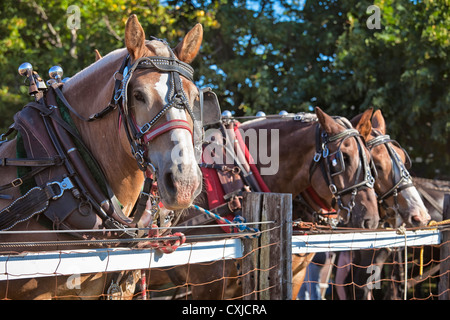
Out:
{"x": 157, "y": 48}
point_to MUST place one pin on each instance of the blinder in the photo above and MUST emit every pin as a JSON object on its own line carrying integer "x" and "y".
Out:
{"x": 207, "y": 107}
{"x": 337, "y": 164}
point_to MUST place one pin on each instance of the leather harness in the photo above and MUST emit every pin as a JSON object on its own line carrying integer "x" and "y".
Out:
{"x": 59, "y": 159}
{"x": 401, "y": 178}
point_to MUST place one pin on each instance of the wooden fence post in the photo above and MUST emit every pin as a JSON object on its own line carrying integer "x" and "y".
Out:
{"x": 444, "y": 279}
{"x": 267, "y": 266}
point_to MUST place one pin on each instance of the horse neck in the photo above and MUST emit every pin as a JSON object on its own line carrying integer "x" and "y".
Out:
{"x": 88, "y": 92}
{"x": 296, "y": 150}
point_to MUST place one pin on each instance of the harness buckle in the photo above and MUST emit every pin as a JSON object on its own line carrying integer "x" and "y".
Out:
{"x": 317, "y": 157}
{"x": 333, "y": 188}
{"x": 370, "y": 181}
{"x": 145, "y": 128}
{"x": 16, "y": 182}
{"x": 65, "y": 184}
{"x": 325, "y": 152}
{"x": 118, "y": 95}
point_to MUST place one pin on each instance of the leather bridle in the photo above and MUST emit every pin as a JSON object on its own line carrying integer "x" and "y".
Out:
{"x": 326, "y": 162}
{"x": 139, "y": 137}
{"x": 401, "y": 178}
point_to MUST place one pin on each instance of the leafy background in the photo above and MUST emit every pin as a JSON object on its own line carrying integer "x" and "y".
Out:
{"x": 266, "y": 55}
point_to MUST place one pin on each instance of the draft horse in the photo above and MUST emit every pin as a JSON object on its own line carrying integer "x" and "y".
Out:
{"x": 394, "y": 186}
{"x": 148, "y": 132}
{"x": 305, "y": 149}
{"x": 398, "y": 194}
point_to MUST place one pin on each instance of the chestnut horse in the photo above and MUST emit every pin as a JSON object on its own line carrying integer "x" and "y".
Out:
{"x": 147, "y": 97}
{"x": 393, "y": 185}
{"x": 295, "y": 141}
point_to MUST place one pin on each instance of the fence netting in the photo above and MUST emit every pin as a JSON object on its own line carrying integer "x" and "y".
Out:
{"x": 374, "y": 274}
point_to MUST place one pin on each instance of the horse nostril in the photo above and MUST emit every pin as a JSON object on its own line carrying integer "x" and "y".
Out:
{"x": 367, "y": 224}
{"x": 168, "y": 179}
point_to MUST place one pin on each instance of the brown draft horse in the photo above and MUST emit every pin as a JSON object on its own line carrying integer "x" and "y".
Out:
{"x": 297, "y": 148}
{"x": 89, "y": 91}
{"x": 393, "y": 186}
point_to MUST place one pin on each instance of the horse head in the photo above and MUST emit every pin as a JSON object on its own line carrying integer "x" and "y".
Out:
{"x": 344, "y": 177}
{"x": 160, "y": 97}
{"x": 393, "y": 184}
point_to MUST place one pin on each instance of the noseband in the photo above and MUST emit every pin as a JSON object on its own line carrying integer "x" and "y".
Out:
{"x": 328, "y": 162}
{"x": 401, "y": 178}
{"x": 139, "y": 137}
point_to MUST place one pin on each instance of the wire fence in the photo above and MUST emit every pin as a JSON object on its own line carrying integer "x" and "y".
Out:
{"x": 318, "y": 264}
{"x": 376, "y": 274}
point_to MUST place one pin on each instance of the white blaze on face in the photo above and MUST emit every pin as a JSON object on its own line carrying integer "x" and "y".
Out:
{"x": 413, "y": 200}
{"x": 183, "y": 151}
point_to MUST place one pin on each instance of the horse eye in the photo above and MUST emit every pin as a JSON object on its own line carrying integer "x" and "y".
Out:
{"x": 139, "y": 96}
{"x": 379, "y": 167}
{"x": 346, "y": 158}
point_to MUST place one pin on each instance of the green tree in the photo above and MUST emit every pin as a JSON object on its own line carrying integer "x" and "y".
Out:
{"x": 266, "y": 55}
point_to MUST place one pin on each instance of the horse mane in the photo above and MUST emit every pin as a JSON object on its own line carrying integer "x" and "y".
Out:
{"x": 155, "y": 46}
{"x": 95, "y": 67}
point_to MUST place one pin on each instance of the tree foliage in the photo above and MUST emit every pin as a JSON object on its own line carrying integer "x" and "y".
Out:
{"x": 266, "y": 55}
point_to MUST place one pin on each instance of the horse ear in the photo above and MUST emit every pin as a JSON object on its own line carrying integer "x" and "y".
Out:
{"x": 327, "y": 123}
{"x": 188, "y": 48}
{"x": 134, "y": 38}
{"x": 364, "y": 125}
{"x": 378, "y": 122}
{"x": 355, "y": 120}
{"x": 98, "y": 56}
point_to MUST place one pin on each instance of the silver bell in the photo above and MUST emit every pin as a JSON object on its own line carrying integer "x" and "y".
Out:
{"x": 65, "y": 79}
{"x": 56, "y": 73}
{"x": 226, "y": 114}
{"x": 283, "y": 113}
{"x": 25, "y": 69}
{"x": 260, "y": 114}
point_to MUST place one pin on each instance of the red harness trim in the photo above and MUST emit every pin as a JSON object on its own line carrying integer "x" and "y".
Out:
{"x": 317, "y": 200}
{"x": 169, "y": 125}
{"x": 250, "y": 160}
{"x": 213, "y": 186}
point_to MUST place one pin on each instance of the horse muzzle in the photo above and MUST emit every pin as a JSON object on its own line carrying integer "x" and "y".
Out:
{"x": 179, "y": 185}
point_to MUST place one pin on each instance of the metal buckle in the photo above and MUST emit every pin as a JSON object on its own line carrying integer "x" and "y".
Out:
{"x": 66, "y": 184}
{"x": 317, "y": 157}
{"x": 17, "y": 182}
{"x": 118, "y": 95}
{"x": 145, "y": 128}
{"x": 333, "y": 189}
